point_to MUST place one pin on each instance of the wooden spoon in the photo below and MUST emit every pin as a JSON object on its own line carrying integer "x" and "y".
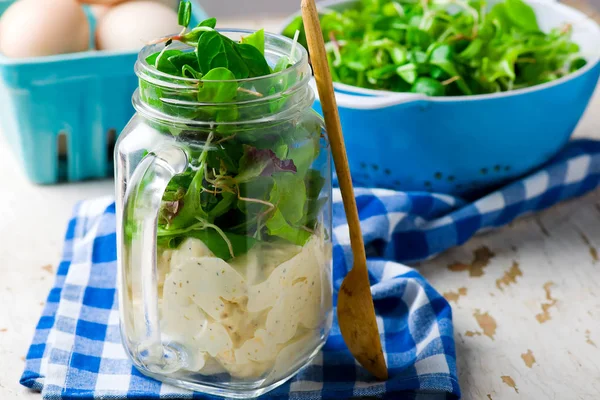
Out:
{"x": 356, "y": 313}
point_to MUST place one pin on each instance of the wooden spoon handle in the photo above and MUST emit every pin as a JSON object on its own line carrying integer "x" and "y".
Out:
{"x": 318, "y": 57}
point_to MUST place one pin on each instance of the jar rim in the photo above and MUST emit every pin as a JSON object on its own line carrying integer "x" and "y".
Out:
{"x": 159, "y": 91}
{"x": 149, "y": 73}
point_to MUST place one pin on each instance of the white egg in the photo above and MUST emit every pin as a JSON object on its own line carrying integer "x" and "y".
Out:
{"x": 31, "y": 28}
{"x": 171, "y": 3}
{"x": 101, "y": 2}
{"x": 99, "y": 10}
{"x": 174, "y": 4}
{"x": 130, "y": 26}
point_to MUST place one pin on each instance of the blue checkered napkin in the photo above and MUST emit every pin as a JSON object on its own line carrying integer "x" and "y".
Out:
{"x": 413, "y": 226}
{"x": 76, "y": 351}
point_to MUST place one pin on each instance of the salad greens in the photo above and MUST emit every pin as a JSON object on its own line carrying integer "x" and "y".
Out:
{"x": 443, "y": 47}
{"x": 212, "y": 51}
{"x": 246, "y": 183}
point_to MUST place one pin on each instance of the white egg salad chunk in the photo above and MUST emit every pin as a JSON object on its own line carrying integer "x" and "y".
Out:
{"x": 253, "y": 316}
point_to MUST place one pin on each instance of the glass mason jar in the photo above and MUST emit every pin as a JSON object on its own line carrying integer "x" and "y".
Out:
{"x": 224, "y": 227}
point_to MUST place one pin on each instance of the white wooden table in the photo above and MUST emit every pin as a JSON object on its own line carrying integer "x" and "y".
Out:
{"x": 527, "y": 321}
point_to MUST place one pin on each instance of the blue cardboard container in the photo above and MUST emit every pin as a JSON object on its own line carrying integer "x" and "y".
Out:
{"x": 4, "y": 5}
{"x": 82, "y": 100}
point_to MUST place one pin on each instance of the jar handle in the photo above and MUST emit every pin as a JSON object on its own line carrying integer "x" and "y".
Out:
{"x": 138, "y": 226}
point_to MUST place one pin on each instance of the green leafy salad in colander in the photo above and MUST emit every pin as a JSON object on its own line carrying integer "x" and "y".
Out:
{"x": 443, "y": 47}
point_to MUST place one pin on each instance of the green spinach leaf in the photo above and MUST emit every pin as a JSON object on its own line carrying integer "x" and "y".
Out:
{"x": 185, "y": 13}
{"x": 211, "y": 52}
{"x": 256, "y": 39}
{"x": 428, "y": 86}
{"x": 522, "y": 15}
{"x": 278, "y": 226}
{"x": 213, "y": 240}
{"x": 209, "y": 22}
{"x": 218, "y": 86}
{"x": 254, "y": 60}
{"x": 181, "y": 59}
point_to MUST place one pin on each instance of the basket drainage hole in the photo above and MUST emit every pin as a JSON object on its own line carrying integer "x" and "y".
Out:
{"x": 62, "y": 155}
{"x": 62, "y": 145}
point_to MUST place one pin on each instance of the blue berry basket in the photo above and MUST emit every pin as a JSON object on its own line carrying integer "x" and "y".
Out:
{"x": 4, "y": 5}
{"x": 76, "y": 103}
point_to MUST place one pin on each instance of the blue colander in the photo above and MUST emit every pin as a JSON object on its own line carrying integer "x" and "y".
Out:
{"x": 459, "y": 145}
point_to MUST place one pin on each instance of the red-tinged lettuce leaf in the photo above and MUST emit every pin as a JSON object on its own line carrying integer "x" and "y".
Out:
{"x": 261, "y": 162}
{"x": 171, "y": 205}
{"x": 169, "y": 210}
